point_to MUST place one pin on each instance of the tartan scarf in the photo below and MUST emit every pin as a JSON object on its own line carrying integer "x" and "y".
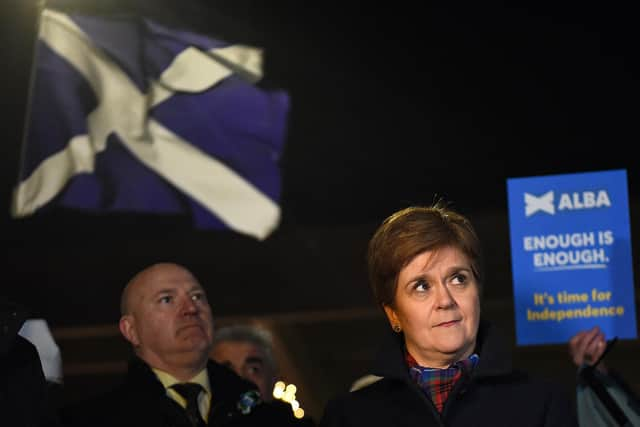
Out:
{"x": 438, "y": 383}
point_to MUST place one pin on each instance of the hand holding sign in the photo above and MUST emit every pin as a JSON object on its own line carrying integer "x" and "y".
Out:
{"x": 586, "y": 348}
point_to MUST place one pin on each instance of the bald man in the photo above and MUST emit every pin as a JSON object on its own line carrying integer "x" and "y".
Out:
{"x": 167, "y": 319}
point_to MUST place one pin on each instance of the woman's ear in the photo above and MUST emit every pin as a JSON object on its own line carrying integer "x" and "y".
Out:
{"x": 392, "y": 317}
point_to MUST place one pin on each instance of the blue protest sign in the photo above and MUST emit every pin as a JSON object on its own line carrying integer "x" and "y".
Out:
{"x": 571, "y": 256}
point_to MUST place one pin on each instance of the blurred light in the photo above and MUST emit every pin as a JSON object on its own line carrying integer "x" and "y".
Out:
{"x": 278, "y": 390}
{"x": 287, "y": 393}
{"x": 291, "y": 388}
{"x": 288, "y": 396}
{"x": 298, "y": 413}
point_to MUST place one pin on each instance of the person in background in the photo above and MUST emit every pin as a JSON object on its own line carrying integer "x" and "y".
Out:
{"x": 603, "y": 398}
{"x": 441, "y": 362}
{"x": 248, "y": 351}
{"x": 38, "y": 333}
{"x": 170, "y": 380}
{"x": 24, "y": 395}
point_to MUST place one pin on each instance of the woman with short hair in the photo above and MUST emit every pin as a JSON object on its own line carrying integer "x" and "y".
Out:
{"x": 442, "y": 365}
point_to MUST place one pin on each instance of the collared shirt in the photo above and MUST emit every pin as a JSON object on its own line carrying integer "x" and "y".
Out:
{"x": 437, "y": 383}
{"x": 204, "y": 400}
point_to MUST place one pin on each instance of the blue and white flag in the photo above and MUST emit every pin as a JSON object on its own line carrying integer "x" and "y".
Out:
{"x": 128, "y": 115}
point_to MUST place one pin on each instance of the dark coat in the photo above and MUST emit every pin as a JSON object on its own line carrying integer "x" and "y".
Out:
{"x": 494, "y": 395}
{"x": 142, "y": 401}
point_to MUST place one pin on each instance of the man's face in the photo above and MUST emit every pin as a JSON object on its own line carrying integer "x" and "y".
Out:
{"x": 169, "y": 320}
{"x": 249, "y": 361}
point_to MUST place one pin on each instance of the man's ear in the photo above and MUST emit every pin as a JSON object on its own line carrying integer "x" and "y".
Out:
{"x": 128, "y": 329}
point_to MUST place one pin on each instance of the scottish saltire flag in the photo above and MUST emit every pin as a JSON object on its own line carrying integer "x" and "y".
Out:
{"x": 128, "y": 115}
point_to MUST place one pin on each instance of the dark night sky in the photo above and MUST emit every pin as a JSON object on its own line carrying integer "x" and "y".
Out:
{"x": 391, "y": 105}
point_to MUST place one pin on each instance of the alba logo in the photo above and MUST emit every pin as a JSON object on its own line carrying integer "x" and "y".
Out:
{"x": 567, "y": 201}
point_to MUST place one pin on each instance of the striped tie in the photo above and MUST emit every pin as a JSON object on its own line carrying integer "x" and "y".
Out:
{"x": 190, "y": 393}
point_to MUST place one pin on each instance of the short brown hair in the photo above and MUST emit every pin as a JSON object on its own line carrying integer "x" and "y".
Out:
{"x": 410, "y": 232}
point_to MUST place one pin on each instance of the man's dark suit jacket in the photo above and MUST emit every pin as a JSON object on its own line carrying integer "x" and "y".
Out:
{"x": 141, "y": 400}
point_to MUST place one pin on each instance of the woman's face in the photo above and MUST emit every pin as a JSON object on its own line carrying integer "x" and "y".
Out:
{"x": 437, "y": 305}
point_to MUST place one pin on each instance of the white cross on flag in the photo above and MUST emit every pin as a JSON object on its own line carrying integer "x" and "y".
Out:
{"x": 129, "y": 115}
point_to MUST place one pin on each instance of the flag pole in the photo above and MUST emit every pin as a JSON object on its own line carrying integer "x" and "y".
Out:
{"x": 38, "y": 8}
